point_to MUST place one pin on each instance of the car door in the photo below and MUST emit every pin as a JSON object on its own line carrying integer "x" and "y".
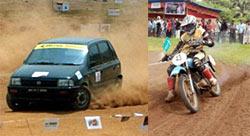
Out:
{"x": 108, "y": 67}
{"x": 115, "y": 62}
{"x": 94, "y": 64}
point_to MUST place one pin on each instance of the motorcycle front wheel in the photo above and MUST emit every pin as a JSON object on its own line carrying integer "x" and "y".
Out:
{"x": 189, "y": 98}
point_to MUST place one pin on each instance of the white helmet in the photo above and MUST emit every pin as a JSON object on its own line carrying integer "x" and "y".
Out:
{"x": 189, "y": 24}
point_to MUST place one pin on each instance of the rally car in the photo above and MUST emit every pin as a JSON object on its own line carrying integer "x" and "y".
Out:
{"x": 65, "y": 70}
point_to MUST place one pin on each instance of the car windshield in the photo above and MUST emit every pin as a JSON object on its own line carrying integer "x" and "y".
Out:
{"x": 60, "y": 54}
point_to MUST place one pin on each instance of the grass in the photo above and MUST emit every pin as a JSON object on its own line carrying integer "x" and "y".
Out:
{"x": 228, "y": 53}
{"x": 231, "y": 53}
{"x": 155, "y": 44}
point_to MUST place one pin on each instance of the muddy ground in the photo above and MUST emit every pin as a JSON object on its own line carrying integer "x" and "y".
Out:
{"x": 24, "y": 23}
{"x": 227, "y": 115}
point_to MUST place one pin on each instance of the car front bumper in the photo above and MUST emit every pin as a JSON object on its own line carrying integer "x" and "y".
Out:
{"x": 43, "y": 93}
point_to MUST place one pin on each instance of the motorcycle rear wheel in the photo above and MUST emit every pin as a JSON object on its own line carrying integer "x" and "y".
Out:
{"x": 215, "y": 90}
{"x": 189, "y": 98}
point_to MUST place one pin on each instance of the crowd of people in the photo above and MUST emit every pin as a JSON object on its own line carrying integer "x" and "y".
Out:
{"x": 220, "y": 30}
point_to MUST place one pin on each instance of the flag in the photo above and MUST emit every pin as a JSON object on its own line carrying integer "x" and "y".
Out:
{"x": 166, "y": 45}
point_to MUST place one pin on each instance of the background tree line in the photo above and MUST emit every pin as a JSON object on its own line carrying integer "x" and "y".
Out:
{"x": 231, "y": 9}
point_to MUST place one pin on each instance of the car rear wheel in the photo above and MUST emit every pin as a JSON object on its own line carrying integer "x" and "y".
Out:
{"x": 82, "y": 99}
{"x": 16, "y": 105}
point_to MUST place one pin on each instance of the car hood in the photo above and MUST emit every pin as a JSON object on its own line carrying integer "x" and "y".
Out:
{"x": 46, "y": 71}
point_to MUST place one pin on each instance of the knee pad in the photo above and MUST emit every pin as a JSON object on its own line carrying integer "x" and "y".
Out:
{"x": 198, "y": 64}
{"x": 170, "y": 68}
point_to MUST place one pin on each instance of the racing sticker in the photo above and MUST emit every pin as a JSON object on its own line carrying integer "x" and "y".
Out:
{"x": 98, "y": 76}
{"x": 40, "y": 74}
{"x": 78, "y": 75}
{"x": 62, "y": 46}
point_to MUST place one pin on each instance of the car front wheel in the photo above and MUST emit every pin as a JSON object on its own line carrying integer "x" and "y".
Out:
{"x": 82, "y": 99}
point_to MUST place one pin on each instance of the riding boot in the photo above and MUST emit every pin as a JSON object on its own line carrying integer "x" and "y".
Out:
{"x": 208, "y": 75}
{"x": 171, "y": 93}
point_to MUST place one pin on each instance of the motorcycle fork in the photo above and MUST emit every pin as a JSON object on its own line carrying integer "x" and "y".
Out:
{"x": 190, "y": 78}
{"x": 176, "y": 83}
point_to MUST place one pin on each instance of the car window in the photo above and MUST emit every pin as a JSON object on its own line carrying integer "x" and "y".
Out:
{"x": 105, "y": 51}
{"x": 60, "y": 54}
{"x": 94, "y": 56}
{"x": 112, "y": 49}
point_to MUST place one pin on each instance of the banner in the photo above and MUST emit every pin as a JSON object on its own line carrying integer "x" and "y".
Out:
{"x": 155, "y": 5}
{"x": 175, "y": 8}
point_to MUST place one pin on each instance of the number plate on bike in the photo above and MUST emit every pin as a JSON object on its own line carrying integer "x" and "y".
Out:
{"x": 179, "y": 59}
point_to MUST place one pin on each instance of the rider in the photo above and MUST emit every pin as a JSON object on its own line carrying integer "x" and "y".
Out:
{"x": 195, "y": 36}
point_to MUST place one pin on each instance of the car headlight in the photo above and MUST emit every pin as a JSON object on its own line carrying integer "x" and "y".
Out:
{"x": 16, "y": 81}
{"x": 65, "y": 82}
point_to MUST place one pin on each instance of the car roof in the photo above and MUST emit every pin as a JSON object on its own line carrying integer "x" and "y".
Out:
{"x": 73, "y": 40}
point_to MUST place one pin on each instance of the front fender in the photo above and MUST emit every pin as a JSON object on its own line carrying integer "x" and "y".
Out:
{"x": 177, "y": 70}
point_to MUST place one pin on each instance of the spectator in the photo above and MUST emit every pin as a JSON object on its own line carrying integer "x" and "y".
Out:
{"x": 154, "y": 27}
{"x": 209, "y": 27}
{"x": 217, "y": 30}
{"x": 163, "y": 28}
{"x": 223, "y": 30}
{"x": 241, "y": 28}
{"x": 203, "y": 24}
{"x": 177, "y": 27}
{"x": 169, "y": 29}
{"x": 247, "y": 33}
{"x": 173, "y": 23}
{"x": 158, "y": 26}
{"x": 232, "y": 32}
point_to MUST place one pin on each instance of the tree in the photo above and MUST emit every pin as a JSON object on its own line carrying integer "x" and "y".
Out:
{"x": 231, "y": 9}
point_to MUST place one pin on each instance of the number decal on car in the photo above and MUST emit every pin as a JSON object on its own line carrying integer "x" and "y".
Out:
{"x": 78, "y": 75}
{"x": 98, "y": 76}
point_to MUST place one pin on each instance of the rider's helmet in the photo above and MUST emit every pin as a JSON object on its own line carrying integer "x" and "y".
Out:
{"x": 189, "y": 24}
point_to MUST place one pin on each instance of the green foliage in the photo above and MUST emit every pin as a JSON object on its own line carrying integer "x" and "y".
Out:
{"x": 231, "y": 9}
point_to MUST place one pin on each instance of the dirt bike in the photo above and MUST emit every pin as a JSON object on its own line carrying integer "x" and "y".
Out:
{"x": 190, "y": 83}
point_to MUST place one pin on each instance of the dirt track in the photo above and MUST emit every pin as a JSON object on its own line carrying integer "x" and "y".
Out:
{"x": 227, "y": 115}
